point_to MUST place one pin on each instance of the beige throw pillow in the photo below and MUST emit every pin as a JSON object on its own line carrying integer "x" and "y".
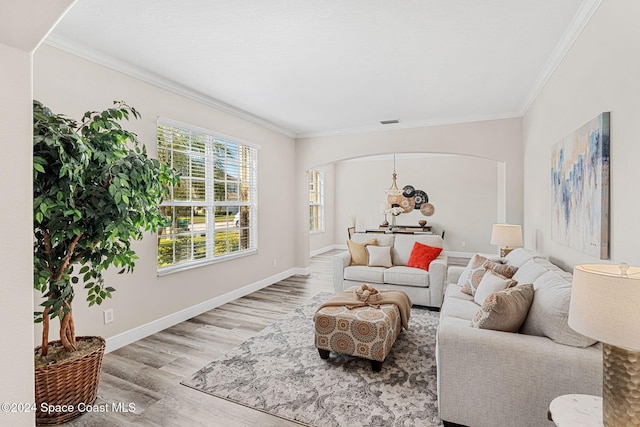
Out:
{"x": 358, "y": 251}
{"x": 505, "y": 310}
{"x": 379, "y": 256}
{"x": 490, "y": 284}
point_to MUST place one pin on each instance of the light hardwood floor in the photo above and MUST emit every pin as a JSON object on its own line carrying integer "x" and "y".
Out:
{"x": 148, "y": 372}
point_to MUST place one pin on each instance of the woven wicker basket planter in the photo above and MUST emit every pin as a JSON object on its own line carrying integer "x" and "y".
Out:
{"x": 68, "y": 383}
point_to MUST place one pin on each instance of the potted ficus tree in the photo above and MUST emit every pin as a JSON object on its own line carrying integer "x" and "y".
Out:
{"x": 94, "y": 191}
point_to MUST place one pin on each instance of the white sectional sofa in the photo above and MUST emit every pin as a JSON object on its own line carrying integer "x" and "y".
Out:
{"x": 489, "y": 378}
{"x": 423, "y": 287}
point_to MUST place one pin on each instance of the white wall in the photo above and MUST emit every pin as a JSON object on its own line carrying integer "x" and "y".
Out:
{"x": 71, "y": 85}
{"x": 463, "y": 190}
{"x": 21, "y": 30}
{"x": 16, "y": 227}
{"x": 497, "y": 140}
{"x": 600, "y": 73}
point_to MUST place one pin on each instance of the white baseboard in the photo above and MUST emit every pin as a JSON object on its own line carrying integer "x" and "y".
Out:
{"x": 303, "y": 271}
{"x": 117, "y": 341}
{"x": 460, "y": 254}
{"x": 326, "y": 249}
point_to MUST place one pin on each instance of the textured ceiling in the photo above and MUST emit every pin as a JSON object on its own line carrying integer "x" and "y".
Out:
{"x": 316, "y": 67}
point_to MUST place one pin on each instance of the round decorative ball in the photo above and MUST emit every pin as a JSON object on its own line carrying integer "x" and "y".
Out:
{"x": 427, "y": 209}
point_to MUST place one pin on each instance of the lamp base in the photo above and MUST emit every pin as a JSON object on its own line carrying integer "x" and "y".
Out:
{"x": 505, "y": 251}
{"x": 621, "y": 387}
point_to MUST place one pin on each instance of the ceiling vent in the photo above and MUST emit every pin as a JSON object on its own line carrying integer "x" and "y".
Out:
{"x": 389, "y": 122}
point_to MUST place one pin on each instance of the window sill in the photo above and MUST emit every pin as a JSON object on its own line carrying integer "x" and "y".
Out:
{"x": 316, "y": 232}
{"x": 164, "y": 271}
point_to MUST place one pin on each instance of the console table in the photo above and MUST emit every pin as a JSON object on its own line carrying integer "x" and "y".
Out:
{"x": 401, "y": 229}
{"x": 576, "y": 410}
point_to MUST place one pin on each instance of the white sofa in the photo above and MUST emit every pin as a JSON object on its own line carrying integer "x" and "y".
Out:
{"x": 423, "y": 287}
{"x": 490, "y": 378}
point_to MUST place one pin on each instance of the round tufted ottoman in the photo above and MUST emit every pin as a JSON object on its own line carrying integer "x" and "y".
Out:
{"x": 365, "y": 332}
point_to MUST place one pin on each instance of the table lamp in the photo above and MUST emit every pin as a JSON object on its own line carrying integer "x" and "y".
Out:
{"x": 605, "y": 305}
{"x": 506, "y": 235}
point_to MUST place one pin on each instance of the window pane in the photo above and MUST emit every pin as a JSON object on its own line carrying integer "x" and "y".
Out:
{"x": 200, "y": 222}
{"x": 198, "y": 190}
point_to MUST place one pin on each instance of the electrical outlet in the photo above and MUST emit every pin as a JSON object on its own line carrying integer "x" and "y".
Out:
{"x": 463, "y": 244}
{"x": 275, "y": 262}
{"x": 108, "y": 316}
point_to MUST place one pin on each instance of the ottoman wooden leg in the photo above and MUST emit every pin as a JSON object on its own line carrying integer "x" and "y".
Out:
{"x": 324, "y": 354}
{"x": 376, "y": 365}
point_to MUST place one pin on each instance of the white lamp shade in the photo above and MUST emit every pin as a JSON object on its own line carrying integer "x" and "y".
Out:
{"x": 506, "y": 235}
{"x": 605, "y": 305}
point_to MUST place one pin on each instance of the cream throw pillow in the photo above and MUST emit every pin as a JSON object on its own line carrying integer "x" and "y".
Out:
{"x": 505, "y": 310}
{"x": 491, "y": 283}
{"x": 379, "y": 256}
{"x": 358, "y": 251}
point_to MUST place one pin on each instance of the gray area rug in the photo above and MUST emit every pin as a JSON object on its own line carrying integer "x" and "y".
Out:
{"x": 279, "y": 371}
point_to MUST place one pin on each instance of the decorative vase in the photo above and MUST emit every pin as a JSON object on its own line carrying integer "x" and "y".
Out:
{"x": 422, "y": 223}
{"x": 67, "y": 384}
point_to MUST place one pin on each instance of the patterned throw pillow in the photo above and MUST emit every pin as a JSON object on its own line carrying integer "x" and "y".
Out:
{"x": 505, "y": 310}
{"x": 502, "y": 269}
{"x": 474, "y": 274}
{"x": 358, "y": 251}
{"x": 478, "y": 266}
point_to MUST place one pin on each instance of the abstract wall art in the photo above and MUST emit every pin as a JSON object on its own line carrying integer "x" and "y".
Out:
{"x": 580, "y": 189}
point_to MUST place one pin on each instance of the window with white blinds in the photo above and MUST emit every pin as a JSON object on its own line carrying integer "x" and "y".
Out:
{"x": 316, "y": 200}
{"x": 212, "y": 213}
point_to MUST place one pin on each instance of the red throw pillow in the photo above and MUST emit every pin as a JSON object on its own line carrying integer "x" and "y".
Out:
{"x": 422, "y": 255}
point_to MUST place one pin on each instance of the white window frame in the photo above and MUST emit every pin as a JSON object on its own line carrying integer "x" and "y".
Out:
{"x": 210, "y": 203}
{"x": 316, "y": 187}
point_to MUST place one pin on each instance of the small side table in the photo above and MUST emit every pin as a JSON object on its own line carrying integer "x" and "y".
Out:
{"x": 576, "y": 410}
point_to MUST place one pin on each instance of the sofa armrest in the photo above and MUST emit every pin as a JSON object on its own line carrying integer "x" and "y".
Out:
{"x": 491, "y": 378}
{"x": 453, "y": 273}
{"x": 339, "y": 262}
{"x": 438, "y": 279}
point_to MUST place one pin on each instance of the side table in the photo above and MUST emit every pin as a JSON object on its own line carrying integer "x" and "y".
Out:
{"x": 576, "y": 410}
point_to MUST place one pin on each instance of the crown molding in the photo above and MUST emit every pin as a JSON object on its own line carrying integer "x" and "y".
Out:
{"x": 108, "y": 61}
{"x": 408, "y": 125}
{"x": 580, "y": 20}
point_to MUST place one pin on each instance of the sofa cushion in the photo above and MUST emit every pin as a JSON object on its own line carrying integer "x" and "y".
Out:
{"x": 403, "y": 245}
{"x": 358, "y": 251}
{"x": 455, "y": 291}
{"x": 549, "y": 312}
{"x": 491, "y": 283}
{"x": 363, "y": 273}
{"x": 460, "y": 308}
{"x": 530, "y": 271}
{"x": 518, "y": 257}
{"x": 382, "y": 238}
{"x": 422, "y": 255}
{"x": 379, "y": 256}
{"x": 504, "y": 310}
{"x": 407, "y": 276}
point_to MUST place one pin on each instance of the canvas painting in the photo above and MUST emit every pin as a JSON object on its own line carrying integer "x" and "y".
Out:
{"x": 580, "y": 189}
